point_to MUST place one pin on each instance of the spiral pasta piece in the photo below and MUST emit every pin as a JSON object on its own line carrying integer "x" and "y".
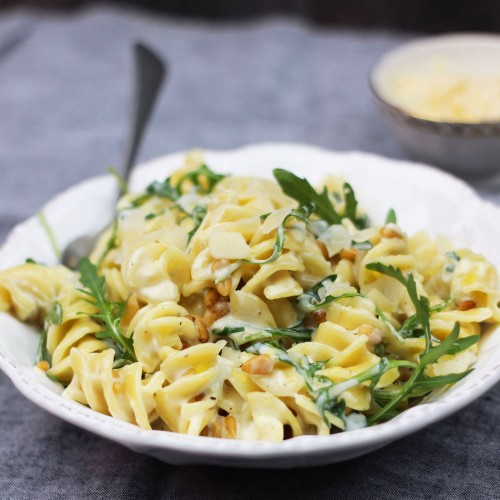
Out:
{"x": 29, "y": 290}
{"x": 158, "y": 326}
{"x": 121, "y": 393}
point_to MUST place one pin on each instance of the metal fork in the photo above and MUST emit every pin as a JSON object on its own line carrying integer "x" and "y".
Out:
{"x": 150, "y": 72}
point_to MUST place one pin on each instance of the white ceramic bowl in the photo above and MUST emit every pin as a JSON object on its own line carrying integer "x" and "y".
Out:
{"x": 424, "y": 198}
{"x": 469, "y": 149}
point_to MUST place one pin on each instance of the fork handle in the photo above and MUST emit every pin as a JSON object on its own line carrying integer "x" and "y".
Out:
{"x": 150, "y": 73}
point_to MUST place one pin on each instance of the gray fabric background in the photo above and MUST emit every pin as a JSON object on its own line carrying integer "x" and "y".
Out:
{"x": 64, "y": 92}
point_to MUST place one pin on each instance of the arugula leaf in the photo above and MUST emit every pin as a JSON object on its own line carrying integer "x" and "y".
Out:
{"x": 379, "y": 350}
{"x": 454, "y": 258}
{"x": 314, "y": 295}
{"x": 300, "y": 362}
{"x": 162, "y": 190}
{"x": 244, "y": 334}
{"x": 301, "y": 190}
{"x": 54, "y": 317}
{"x": 391, "y": 217}
{"x": 50, "y": 234}
{"x": 55, "y": 314}
{"x": 326, "y": 393}
{"x": 351, "y": 203}
{"x": 334, "y": 298}
{"x": 463, "y": 344}
{"x": 351, "y": 208}
{"x": 441, "y": 306}
{"x": 122, "y": 184}
{"x": 109, "y": 315}
{"x": 331, "y": 392}
{"x": 435, "y": 352}
{"x": 421, "y": 304}
{"x": 436, "y": 382}
{"x": 420, "y": 384}
{"x": 203, "y": 180}
{"x": 197, "y": 215}
{"x": 140, "y": 200}
{"x": 31, "y": 260}
{"x": 384, "y": 396}
{"x": 302, "y": 213}
{"x": 316, "y": 298}
{"x": 409, "y": 329}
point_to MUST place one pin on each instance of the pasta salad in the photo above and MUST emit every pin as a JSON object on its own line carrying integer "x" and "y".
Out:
{"x": 247, "y": 308}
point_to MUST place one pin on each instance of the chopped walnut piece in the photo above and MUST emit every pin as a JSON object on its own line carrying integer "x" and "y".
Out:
{"x": 404, "y": 373}
{"x": 200, "y": 326}
{"x": 219, "y": 310}
{"x": 219, "y": 264}
{"x": 224, "y": 287}
{"x": 320, "y": 316}
{"x": 216, "y": 430}
{"x": 262, "y": 364}
{"x": 211, "y": 298}
{"x": 230, "y": 427}
{"x": 334, "y": 260}
{"x": 224, "y": 427}
{"x": 466, "y": 304}
{"x": 348, "y": 254}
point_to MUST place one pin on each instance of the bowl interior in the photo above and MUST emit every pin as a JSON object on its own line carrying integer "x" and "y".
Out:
{"x": 465, "y": 55}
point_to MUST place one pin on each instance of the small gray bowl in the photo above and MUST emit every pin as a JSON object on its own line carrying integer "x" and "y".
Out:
{"x": 467, "y": 149}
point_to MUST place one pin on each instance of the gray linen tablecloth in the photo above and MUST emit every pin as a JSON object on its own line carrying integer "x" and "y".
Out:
{"x": 64, "y": 92}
